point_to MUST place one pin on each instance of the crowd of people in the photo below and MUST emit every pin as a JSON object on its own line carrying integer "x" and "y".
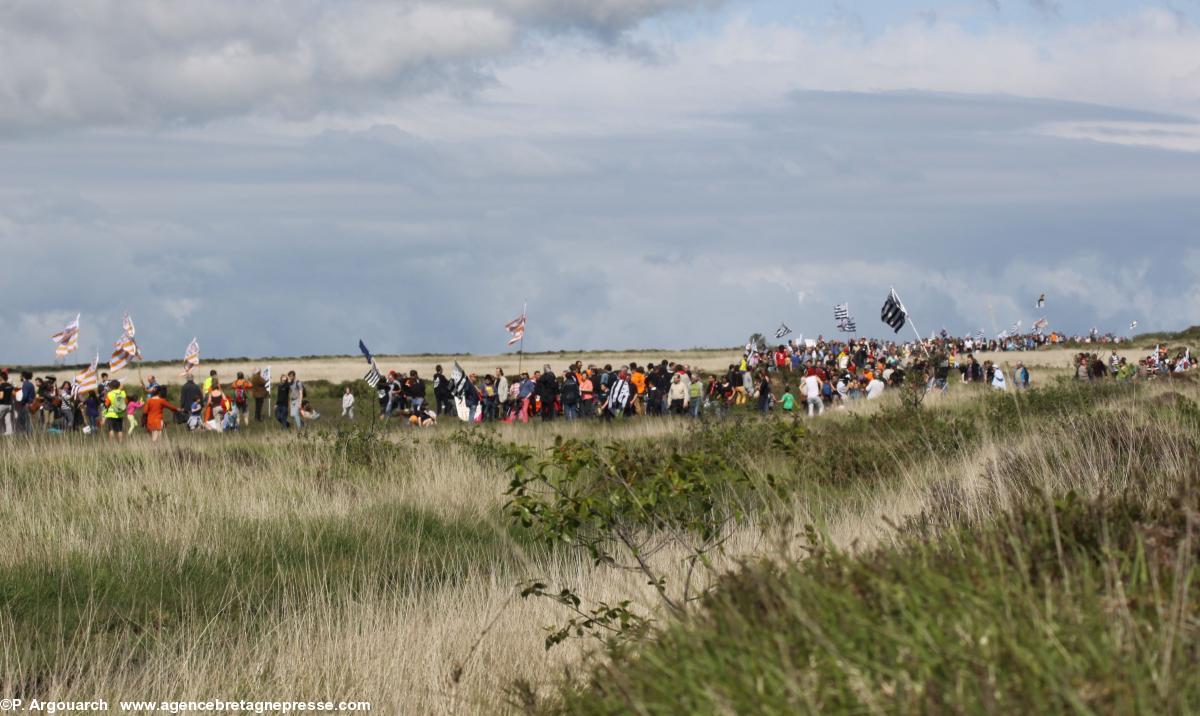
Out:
{"x": 43, "y": 404}
{"x": 795, "y": 376}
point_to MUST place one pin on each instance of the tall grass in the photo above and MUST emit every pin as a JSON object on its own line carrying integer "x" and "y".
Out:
{"x": 383, "y": 568}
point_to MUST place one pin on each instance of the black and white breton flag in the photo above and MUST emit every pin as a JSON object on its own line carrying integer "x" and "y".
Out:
{"x": 980, "y": 336}
{"x": 841, "y": 312}
{"x": 782, "y": 331}
{"x": 848, "y": 326}
{"x": 373, "y": 377}
{"x": 893, "y": 312}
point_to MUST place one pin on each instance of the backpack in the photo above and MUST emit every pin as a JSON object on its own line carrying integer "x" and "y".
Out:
{"x": 117, "y": 403}
{"x": 570, "y": 393}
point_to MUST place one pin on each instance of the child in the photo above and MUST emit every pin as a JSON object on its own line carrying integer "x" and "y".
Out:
{"x": 307, "y": 412}
{"x": 787, "y": 401}
{"x": 131, "y": 409}
{"x": 348, "y": 404}
{"x": 196, "y": 415}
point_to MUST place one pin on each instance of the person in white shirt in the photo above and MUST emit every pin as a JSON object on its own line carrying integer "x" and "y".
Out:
{"x": 812, "y": 394}
{"x": 998, "y": 381}
{"x": 348, "y": 404}
{"x": 875, "y": 389}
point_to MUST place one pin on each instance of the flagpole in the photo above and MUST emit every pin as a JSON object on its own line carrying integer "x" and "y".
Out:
{"x": 920, "y": 341}
{"x": 524, "y": 327}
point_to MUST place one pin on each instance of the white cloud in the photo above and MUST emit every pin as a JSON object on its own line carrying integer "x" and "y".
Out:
{"x": 98, "y": 62}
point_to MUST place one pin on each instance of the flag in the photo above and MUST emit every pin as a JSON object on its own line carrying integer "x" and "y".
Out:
{"x": 1015, "y": 330}
{"x": 848, "y": 326}
{"x": 266, "y": 376}
{"x": 893, "y": 313}
{"x": 191, "y": 358}
{"x": 516, "y": 329}
{"x": 87, "y": 379}
{"x": 124, "y": 350}
{"x": 1133, "y": 325}
{"x": 841, "y": 312}
{"x": 363, "y": 347}
{"x": 67, "y": 339}
{"x": 1040, "y": 324}
{"x": 782, "y": 331}
{"x": 458, "y": 381}
{"x": 1041, "y": 302}
{"x": 127, "y": 325}
{"x": 373, "y": 377}
{"x": 980, "y": 336}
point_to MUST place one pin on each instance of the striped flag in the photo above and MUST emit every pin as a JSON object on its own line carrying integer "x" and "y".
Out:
{"x": 1133, "y": 325}
{"x": 1015, "y": 330}
{"x": 88, "y": 379}
{"x": 782, "y": 331}
{"x": 516, "y": 328}
{"x": 373, "y": 376}
{"x": 191, "y": 357}
{"x": 266, "y": 376}
{"x": 67, "y": 339}
{"x": 980, "y": 336}
{"x": 848, "y": 326}
{"x": 1041, "y": 302}
{"x": 841, "y": 312}
{"x": 893, "y": 312}
{"x": 127, "y": 325}
{"x": 458, "y": 381}
{"x": 124, "y": 350}
{"x": 1040, "y": 324}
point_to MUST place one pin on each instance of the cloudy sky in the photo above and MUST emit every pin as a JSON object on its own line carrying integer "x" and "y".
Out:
{"x": 285, "y": 177}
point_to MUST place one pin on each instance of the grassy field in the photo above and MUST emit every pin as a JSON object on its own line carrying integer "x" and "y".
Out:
{"x": 985, "y": 553}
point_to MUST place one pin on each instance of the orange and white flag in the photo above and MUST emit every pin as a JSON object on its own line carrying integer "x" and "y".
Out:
{"x": 516, "y": 329}
{"x": 67, "y": 339}
{"x": 87, "y": 379}
{"x": 191, "y": 358}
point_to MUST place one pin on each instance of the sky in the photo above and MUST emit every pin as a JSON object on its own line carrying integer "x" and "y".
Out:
{"x": 284, "y": 178}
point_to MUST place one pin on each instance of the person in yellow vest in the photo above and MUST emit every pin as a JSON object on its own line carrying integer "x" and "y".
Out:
{"x": 211, "y": 382}
{"x": 115, "y": 405}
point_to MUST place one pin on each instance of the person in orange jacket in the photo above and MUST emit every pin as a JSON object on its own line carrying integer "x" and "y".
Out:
{"x": 155, "y": 405}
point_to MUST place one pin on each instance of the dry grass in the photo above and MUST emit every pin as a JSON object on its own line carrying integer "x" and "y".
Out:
{"x": 398, "y": 644}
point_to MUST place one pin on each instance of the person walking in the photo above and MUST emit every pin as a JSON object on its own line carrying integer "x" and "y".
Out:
{"x": 7, "y": 398}
{"x": 296, "y": 398}
{"x": 442, "y": 392}
{"x": 283, "y": 394}
{"x": 348, "y": 403}
{"x": 258, "y": 391}
{"x": 570, "y": 395}
{"x": 501, "y": 394}
{"x": 547, "y": 389}
{"x": 25, "y": 398}
{"x": 188, "y": 394}
{"x": 155, "y": 405}
{"x": 414, "y": 390}
{"x": 241, "y": 398}
{"x": 764, "y": 393}
{"x": 677, "y": 395}
{"x": 812, "y": 393}
{"x": 115, "y": 404}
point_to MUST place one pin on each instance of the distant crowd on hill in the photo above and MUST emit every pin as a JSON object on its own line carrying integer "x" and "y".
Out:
{"x": 794, "y": 376}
